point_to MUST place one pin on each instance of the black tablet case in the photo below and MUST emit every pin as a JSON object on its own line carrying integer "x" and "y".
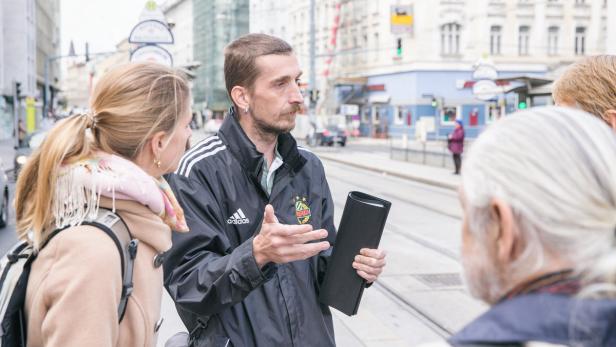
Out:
{"x": 361, "y": 226}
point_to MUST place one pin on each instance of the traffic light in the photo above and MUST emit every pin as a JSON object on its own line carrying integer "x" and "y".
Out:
{"x": 399, "y": 47}
{"x": 314, "y": 95}
{"x": 434, "y": 102}
{"x": 87, "y": 52}
{"x": 18, "y": 89}
{"x": 522, "y": 103}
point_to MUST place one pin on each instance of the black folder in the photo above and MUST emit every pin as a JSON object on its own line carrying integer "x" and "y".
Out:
{"x": 361, "y": 226}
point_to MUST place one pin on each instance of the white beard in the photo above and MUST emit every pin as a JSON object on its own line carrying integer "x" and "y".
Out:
{"x": 481, "y": 276}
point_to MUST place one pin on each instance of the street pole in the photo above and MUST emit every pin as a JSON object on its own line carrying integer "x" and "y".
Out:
{"x": 15, "y": 115}
{"x": 46, "y": 91}
{"x": 312, "y": 77}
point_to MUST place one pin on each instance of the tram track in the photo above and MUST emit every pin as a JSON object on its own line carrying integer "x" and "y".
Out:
{"x": 426, "y": 318}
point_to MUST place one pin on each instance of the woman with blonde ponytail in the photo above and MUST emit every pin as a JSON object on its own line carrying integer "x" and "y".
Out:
{"x": 113, "y": 157}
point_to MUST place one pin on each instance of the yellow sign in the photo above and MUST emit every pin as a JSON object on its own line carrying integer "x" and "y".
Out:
{"x": 401, "y": 19}
{"x": 30, "y": 114}
{"x": 404, "y": 20}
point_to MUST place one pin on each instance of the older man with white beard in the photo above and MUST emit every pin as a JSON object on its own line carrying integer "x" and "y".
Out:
{"x": 539, "y": 231}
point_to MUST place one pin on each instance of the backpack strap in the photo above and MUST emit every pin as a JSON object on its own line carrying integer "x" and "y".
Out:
{"x": 115, "y": 227}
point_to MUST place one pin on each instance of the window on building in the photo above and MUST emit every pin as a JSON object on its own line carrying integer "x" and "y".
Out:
{"x": 449, "y": 114}
{"x": 450, "y": 39}
{"x": 580, "y": 40}
{"x": 494, "y": 113}
{"x": 552, "y": 40}
{"x": 376, "y": 46}
{"x": 523, "y": 40}
{"x": 399, "y": 115}
{"x": 495, "y": 39}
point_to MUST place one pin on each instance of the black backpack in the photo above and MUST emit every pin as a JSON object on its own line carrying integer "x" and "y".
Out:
{"x": 15, "y": 270}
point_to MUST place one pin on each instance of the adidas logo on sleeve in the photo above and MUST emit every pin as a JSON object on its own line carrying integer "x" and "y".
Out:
{"x": 238, "y": 218}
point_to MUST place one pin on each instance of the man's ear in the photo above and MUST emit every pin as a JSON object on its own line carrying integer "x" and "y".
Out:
{"x": 507, "y": 239}
{"x": 610, "y": 117}
{"x": 240, "y": 97}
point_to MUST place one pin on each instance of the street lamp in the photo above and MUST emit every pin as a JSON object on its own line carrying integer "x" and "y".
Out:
{"x": 46, "y": 92}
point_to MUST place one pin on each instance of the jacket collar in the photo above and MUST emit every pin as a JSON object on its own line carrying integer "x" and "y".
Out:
{"x": 546, "y": 317}
{"x": 246, "y": 152}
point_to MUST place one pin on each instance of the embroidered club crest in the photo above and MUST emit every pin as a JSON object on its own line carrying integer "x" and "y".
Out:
{"x": 302, "y": 210}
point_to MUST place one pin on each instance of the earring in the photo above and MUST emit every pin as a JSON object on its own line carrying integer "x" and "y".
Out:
{"x": 246, "y": 109}
{"x": 157, "y": 163}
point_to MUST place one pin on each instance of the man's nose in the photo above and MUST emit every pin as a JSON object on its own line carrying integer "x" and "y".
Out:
{"x": 296, "y": 96}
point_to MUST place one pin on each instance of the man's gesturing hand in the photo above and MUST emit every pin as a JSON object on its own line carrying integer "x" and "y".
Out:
{"x": 281, "y": 243}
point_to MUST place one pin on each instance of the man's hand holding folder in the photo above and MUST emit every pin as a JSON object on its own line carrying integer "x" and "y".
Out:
{"x": 369, "y": 263}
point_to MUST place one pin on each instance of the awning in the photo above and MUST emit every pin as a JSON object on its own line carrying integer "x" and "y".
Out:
{"x": 380, "y": 98}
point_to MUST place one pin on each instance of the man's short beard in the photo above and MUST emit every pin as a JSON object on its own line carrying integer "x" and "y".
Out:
{"x": 271, "y": 129}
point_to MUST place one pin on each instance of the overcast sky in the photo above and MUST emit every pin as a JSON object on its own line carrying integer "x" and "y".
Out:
{"x": 103, "y": 23}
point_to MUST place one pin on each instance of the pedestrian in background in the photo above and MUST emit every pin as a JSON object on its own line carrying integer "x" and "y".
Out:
{"x": 590, "y": 85}
{"x": 113, "y": 157}
{"x": 455, "y": 143}
{"x": 261, "y": 215}
{"x": 539, "y": 231}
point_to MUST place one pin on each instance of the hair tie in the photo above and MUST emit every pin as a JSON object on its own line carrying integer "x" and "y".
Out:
{"x": 91, "y": 120}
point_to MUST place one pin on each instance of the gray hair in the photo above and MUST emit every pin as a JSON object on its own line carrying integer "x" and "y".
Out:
{"x": 556, "y": 168}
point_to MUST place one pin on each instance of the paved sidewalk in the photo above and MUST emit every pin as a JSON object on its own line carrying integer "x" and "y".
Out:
{"x": 381, "y": 162}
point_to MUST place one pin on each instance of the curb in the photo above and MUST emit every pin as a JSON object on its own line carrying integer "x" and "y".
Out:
{"x": 431, "y": 182}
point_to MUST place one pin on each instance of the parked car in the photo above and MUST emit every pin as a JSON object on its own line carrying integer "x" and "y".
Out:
{"x": 333, "y": 134}
{"x": 4, "y": 197}
{"x": 32, "y": 142}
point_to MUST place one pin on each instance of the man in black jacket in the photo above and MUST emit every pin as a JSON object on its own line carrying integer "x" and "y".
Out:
{"x": 260, "y": 214}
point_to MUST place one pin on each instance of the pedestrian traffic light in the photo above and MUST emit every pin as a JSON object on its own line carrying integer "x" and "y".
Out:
{"x": 434, "y": 102}
{"x": 399, "y": 47}
{"x": 522, "y": 105}
{"x": 18, "y": 89}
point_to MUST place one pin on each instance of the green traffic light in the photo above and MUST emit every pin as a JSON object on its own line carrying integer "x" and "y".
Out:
{"x": 521, "y": 105}
{"x": 399, "y": 51}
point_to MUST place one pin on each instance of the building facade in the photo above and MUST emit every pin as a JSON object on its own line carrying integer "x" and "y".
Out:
{"x": 216, "y": 23}
{"x": 422, "y": 70}
{"x": 179, "y": 15}
{"x": 18, "y": 57}
{"x": 47, "y": 48}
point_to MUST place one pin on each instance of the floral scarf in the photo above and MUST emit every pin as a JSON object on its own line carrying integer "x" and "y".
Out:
{"x": 81, "y": 184}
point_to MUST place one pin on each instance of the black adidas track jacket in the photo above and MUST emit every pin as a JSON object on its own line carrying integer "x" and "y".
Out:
{"x": 211, "y": 273}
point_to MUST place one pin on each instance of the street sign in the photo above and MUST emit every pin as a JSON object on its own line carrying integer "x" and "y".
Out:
{"x": 401, "y": 19}
{"x": 485, "y": 90}
{"x": 152, "y": 53}
{"x": 151, "y": 31}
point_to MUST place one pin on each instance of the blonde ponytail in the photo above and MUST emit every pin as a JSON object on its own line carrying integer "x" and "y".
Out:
{"x": 66, "y": 142}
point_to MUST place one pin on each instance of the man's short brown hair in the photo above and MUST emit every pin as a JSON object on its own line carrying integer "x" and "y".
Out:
{"x": 590, "y": 83}
{"x": 240, "y": 56}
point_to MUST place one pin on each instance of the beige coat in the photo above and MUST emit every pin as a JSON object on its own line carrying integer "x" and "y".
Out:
{"x": 76, "y": 283}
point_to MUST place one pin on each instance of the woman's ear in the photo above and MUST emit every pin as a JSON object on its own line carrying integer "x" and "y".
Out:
{"x": 507, "y": 238}
{"x": 157, "y": 144}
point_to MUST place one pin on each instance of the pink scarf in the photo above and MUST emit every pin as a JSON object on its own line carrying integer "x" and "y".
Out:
{"x": 80, "y": 186}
